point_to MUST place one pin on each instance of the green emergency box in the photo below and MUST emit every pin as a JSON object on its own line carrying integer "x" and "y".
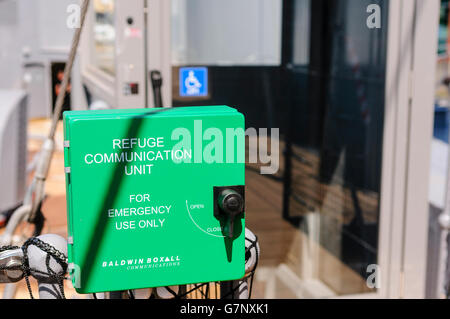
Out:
{"x": 155, "y": 197}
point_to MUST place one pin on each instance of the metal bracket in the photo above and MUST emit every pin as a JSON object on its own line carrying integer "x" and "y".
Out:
{"x": 10, "y": 265}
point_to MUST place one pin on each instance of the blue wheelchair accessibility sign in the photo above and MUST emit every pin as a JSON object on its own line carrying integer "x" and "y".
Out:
{"x": 193, "y": 81}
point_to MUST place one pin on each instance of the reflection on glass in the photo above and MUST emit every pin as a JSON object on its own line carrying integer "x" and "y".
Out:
{"x": 325, "y": 91}
{"x": 336, "y": 148}
{"x": 104, "y": 35}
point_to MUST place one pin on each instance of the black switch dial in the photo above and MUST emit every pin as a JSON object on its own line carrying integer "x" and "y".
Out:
{"x": 231, "y": 204}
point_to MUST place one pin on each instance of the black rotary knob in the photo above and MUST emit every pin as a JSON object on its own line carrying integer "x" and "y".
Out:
{"x": 231, "y": 204}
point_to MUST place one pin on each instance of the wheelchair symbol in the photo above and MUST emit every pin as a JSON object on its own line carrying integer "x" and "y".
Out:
{"x": 194, "y": 81}
{"x": 192, "y": 84}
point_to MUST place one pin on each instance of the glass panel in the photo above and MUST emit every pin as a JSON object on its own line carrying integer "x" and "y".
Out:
{"x": 337, "y": 145}
{"x": 317, "y": 218}
{"x": 232, "y": 32}
{"x": 104, "y": 35}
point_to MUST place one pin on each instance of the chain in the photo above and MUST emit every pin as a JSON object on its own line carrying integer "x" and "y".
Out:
{"x": 9, "y": 247}
{"x": 51, "y": 251}
{"x": 61, "y": 259}
{"x": 58, "y": 256}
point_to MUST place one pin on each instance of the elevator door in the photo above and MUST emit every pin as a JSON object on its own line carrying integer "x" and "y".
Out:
{"x": 334, "y": 149}
{"x": 314, "y": 70}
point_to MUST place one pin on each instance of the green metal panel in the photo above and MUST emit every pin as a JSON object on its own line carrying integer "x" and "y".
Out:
{"x": 136, "y": 226}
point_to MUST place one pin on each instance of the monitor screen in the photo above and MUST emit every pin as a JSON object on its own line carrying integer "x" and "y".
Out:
{"x": 104, "y": 35}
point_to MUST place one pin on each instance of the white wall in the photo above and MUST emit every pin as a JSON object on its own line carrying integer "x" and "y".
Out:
{"x": 54, "y": 35}
{"x": 9, "y": 44}
{"x": 33, "y": 31}
{"x": 35, "y": 26}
